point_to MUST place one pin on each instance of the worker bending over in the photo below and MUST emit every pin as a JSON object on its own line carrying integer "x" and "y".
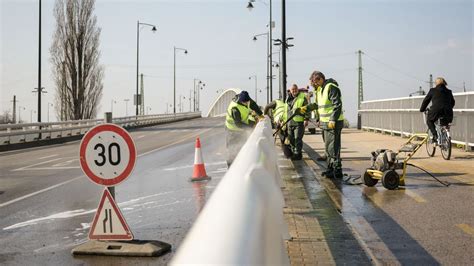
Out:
{"x": 238, "y": 125}
{"x": 277, "y": 110}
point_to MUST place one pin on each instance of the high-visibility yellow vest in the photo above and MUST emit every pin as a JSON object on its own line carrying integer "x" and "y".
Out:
{"x": 298, "y": 102}
{"x": 325, "y": 107}
{"x": 280, "y": 113}
{"x": 244, "y": 115}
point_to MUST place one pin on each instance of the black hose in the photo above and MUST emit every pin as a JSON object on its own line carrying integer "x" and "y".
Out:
{"x": 446, "y": 184}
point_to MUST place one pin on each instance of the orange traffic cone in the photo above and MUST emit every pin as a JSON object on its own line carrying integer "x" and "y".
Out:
{"x": 199, "y": 172}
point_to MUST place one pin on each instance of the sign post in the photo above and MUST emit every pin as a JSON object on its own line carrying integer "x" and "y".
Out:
{"x": 107, "y": 156}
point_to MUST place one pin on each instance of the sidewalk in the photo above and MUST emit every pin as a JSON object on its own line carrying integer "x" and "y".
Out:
{"x": 319, "y": 234}
{"x": 422, "y": 223}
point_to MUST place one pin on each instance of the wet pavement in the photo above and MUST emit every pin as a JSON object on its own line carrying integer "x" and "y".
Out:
{"x": 422, "y": 223}
{"x": 47, "y": 204}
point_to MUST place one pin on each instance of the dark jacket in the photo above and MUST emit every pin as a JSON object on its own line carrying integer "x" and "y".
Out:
{"x": 442, "y": 103}
{"x": 253, "y": 105}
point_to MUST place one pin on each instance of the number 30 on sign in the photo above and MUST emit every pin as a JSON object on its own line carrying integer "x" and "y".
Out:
{"x": 107, "y": 154}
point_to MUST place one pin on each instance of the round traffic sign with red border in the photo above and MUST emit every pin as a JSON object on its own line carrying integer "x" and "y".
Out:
{"x": 107, "y": 154}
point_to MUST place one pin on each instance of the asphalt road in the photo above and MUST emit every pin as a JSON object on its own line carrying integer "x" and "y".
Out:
{"x": 423, "y": 223}
{"x": 47, "y": 204}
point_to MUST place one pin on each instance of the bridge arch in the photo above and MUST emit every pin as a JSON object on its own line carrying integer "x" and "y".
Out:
{"x": 219, "y": 106}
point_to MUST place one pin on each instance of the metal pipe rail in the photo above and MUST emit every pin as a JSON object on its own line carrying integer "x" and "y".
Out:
{"x": 402, "y": 116}
{"x": 28, "y": 132}
{"x": 242, "y": 223}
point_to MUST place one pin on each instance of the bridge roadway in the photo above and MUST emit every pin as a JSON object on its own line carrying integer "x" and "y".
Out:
{"x": 47, "y": 204}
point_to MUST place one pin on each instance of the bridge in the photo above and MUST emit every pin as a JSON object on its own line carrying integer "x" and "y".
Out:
{"x": 264, "y": 209}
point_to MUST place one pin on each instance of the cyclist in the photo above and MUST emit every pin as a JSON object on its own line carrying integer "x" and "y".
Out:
{"x": 441, "y": 107}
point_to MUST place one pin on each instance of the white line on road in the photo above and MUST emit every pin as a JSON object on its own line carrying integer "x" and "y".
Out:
{"x": 38, "y": 192}
{"x": 139, "y": 137}
{"x": 49, "y": 156}
{"x": 22, "y": 168}
{"x": 191, "y": 165}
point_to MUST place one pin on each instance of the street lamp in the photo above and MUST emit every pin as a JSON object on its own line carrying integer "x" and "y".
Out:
{"x": 255, "y": 77}
{"x": 112, "y": 106}
{"x": 284, "y": 45}
{"x": 49, "y": 104}
{"x": 153, "y": 29}
{"x": 19, "y": 113}
{"x": 269, "y": 73}
{"x": 174, "y": 75}
{"x": 148, "y": 109}
{"x": 195, "y": 93}
{"x": 126, "y": 106}
{"x": 31, "y": 115}
{"x": 199, "y": 95}
{"x": 180, "y": 103}
{"x": 269, "y": 53}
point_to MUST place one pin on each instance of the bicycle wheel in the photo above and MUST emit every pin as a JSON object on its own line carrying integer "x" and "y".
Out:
{"x": 430, "y": 147}
{"x": 446, "y": 146}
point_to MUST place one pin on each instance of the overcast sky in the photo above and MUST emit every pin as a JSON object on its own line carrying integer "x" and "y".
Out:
{"x": 404, "y": 42}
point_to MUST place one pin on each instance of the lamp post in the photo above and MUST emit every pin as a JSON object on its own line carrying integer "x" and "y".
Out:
{"x": 49, "y": 104}
{"x": 195, "y": 93}
{"x": 199, "y": 95}
{"x": 268, "y": 62}
{"x": 270, "y": 29}
{"x": 39, "y": 64}
{"x": 31, "y": 115}
{"x": 126, "y": 106}
{"x": 148, "y": 109}
{"x": 255, "y": 77}
{"x": 112, "y": 105}
{"x": 19, "y": 113}
{"x": 174, "y": 75}
{"x": 153, "y": 29}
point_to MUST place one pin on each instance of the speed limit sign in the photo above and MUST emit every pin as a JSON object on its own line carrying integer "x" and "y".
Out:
{"x": 107, "y": 154}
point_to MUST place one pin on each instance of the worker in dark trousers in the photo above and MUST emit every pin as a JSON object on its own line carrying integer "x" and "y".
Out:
{"x": 238, "y": 125}
{"x": 329, "y": 107}
{"x": 442, "y": 104}
{"x": 297, "y": 124}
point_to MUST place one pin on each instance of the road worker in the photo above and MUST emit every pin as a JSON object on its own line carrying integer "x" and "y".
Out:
{"x": 238, "y": 125}
{"x": 329, "y": 108}
{"x": 297, "y": 124}
{"x": 277, "y": 110}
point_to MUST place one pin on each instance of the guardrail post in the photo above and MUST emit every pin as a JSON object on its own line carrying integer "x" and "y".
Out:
{"x": 108, "y": 119}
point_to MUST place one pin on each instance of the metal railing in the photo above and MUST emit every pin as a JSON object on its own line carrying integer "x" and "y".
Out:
{"x": 28, "y": 132}
{"x": 242, "y": 223}
{"x": 402, "y": 116}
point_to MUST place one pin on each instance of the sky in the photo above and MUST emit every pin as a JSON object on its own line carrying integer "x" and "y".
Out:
{"x": 404, "y": 41}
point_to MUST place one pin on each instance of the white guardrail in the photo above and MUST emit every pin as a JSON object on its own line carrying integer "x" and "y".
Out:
{"x": 242, "y": 223}
{"x": 402, "y": 116}
{"x": 29, "y": 132}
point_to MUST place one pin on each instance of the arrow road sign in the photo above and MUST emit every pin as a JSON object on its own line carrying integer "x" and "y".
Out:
{"x": 108, "y": 223}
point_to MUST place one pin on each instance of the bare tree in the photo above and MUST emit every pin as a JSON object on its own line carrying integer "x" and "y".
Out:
{"x": 75, "y": 56}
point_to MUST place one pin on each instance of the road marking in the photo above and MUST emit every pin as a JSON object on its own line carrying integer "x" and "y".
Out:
{"x": 38, "y": 192}
{"x": 466, "y": 228}
{"x": 79, "y": 212}
{"x": 192, "y": 135}
{"x": 192, "y": 165}
{"x": 415, "y": 196}
{"x": 29, "y": 166}
{"x": 49, "y": 156}
{"x": 139, "y": 137}
{"x": 65, "y": 163}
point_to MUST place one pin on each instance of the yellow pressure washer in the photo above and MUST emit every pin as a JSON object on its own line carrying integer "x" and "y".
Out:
{"x": 385, "y": 164}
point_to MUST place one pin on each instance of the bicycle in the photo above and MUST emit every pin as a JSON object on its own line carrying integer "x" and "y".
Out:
{"x": 444, "y": 139}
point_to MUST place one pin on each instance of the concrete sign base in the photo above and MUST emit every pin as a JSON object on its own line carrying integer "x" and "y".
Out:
{"x": 133, "y": 248}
